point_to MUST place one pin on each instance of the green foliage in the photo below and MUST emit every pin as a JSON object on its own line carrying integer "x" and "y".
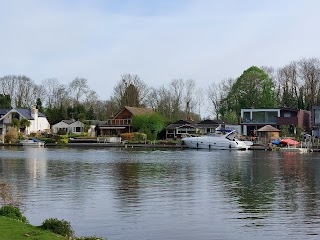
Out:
{"x": 17, "y": 230}
{"x": 39, "y": 105}
{"x": 12, "y": 212}
{"x": 61, "y": 131}
{"x": 47, "y": 140}
{"x": 231, "y": 117}
{"x": 64, "y": 139}
{"x": 5, "y": 101}
{"x": 284, "y": 130}
{"x": 130, "y": 97}
{"x": 56, "y": 114}
{"x": 24, "y": 123}
{"x": 253, "y": 89}
{"x": 140, "y": 136}
{"x": 15, "y": 123}
{"x": 150, "y": 124}
{"x": 60, "y": 227}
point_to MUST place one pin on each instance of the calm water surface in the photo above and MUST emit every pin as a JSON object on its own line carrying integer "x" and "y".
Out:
{"x": 173, "y": 194}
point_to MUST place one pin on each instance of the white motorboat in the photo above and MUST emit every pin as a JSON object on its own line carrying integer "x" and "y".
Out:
{"x": 32, "y": 142}
{"x": 216, "y": 141}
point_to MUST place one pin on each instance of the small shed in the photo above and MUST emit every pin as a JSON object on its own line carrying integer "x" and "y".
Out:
{"x": 268, "y": 133}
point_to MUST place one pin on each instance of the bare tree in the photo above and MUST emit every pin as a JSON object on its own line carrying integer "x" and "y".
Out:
{"x": 214, "y": 96}
{"x": 78, "y": 89}
{"x": 131, "y": 91}
{"x": 288, "y": 85}
{"x": 20, "y": 88}
{"x": 189, "y": 96}
{"x": 7, "y": 85}
{"x": 309, "y": 71}
{"x": 56, "y": 93}
{"x": 199, "y": 99}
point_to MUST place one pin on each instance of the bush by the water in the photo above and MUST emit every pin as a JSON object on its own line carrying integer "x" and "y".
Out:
{"x": 12, "y": 212}
{"x": 60, "y": 227}
{"x": 136, "y": 136}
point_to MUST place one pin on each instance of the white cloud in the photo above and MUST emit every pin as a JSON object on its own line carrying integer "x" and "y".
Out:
{"x": 204, "y": 40}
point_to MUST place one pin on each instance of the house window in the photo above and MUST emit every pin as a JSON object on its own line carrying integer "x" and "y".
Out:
{"x": 271, "y": 117}
{"x": 287, "y": 114}
{"x": 316, "y": 116}
{"x": 246, "y": 117}
{"x": 78, "y": 129}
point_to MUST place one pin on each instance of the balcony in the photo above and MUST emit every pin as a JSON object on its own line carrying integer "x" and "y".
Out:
{"x": 121, "y": 122}
{"x": 258, "y": 121}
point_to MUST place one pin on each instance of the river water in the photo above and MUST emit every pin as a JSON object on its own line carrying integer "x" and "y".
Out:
{"x": 169, "y": 194}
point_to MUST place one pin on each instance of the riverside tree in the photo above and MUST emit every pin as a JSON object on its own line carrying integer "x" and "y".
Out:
{"x": 130, "y": 91}
{"x": 253, "y": 89}
{"x": 151, "y": 124}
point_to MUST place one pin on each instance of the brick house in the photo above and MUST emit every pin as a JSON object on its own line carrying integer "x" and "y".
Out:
{"x": 122, "y": 121}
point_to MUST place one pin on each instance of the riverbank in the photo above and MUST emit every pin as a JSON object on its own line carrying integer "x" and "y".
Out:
{"x": 149, "y": 146}
{"x": 17, "y": 230}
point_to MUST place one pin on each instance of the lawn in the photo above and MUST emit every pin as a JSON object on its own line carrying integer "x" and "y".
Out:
{"x": 11, "y": 229}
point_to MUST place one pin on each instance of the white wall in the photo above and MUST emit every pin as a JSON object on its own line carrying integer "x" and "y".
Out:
{"x": 57, "y": 126}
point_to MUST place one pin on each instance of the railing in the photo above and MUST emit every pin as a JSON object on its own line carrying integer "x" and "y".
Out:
{"x": 119, "y": 121}
{"x": 259, "y": 121}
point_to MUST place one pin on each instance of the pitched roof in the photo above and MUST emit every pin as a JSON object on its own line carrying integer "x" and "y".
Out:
{"x": 136, "y": 111}
{"x": 181, "y": 122}
{"x": 24, "y": 112}
{"x": 268, "y": 128}
{"x": 139, "y": 111}
{"x": 68, "y": 121}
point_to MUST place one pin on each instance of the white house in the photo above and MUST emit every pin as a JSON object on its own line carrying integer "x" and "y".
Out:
{"x": 70, "y": 126}
{"x": 38, "y": 121}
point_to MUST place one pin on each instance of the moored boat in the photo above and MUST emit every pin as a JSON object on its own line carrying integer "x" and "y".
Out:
{"x": 289, "y": 142}
{"x": 32, "y": 142}
{"x": 216, "y": 141}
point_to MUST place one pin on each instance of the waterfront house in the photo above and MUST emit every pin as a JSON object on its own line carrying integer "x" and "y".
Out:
{"x": 122, "y": 121}
{"x": 253, "y": 119}
{"x": 38, "y": 121}
{"x": 180, "y": 128}
{"x": 316, "y": 121}
{"x": 184, "y": 127}
{"x": 69, "y": 126}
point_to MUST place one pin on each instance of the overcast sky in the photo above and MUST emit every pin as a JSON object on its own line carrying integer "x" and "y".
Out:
{"x": 160, "y": 40}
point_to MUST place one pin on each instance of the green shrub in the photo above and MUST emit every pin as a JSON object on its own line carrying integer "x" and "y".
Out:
{"x": 60, "y": 227}
{"x": 32, "y": 134}
{"x": 61, "y": 132}
{"x": 12, "y": 212}
{"x": 140, "y": 136}
{"x": 64, "y": 139}
{"x": 47, "y": 140}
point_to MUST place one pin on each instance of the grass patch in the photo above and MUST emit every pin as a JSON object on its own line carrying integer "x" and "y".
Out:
{"x": 12, "y": 229}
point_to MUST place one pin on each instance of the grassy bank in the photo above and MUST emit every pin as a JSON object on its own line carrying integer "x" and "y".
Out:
{"x": 16, "y": 230}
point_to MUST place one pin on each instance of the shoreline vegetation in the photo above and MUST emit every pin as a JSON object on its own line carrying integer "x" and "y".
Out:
{"x": 14, "y": 226}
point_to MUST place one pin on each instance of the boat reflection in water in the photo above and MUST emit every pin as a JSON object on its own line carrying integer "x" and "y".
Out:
{"x": 217, "y": 141}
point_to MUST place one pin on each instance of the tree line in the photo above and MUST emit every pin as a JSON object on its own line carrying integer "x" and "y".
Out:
{"x": 296, "y": 85}
{"x": 76, "y": 100}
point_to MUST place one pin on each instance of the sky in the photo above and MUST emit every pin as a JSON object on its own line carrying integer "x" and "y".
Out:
{"x": 159, "y": 40}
